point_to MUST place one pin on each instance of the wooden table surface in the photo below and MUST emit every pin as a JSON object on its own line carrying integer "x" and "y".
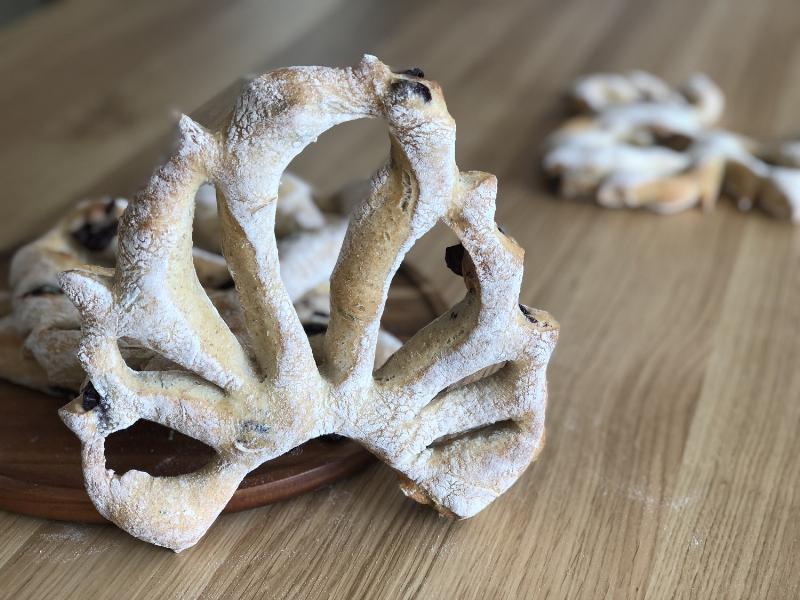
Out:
{"x": 672, "y": 465}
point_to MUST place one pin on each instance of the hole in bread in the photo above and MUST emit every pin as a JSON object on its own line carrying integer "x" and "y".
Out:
{"x": 423, "y": 288}
{"x": 155, "y": 449}
{"x": 442, "y": 321}
{"x": 478, "y": 375}
{"x": 481, "y": 432}
{"x": 412, "y": 302}
{"x": 145, "y": 360}
{"x": 672, "y": 140}
{"x": 474, "y": 377}
{"x": 329, "y": 163}
{"x": 139, "y": 358}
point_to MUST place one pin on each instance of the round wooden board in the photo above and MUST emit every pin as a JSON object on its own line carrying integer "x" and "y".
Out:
{"x": 40, "y": 470}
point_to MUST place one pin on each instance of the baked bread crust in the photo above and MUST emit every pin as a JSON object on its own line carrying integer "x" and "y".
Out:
{"x": 40, "y": 329}
{"x": 641, "y": 144}
{"x": 456, "y": 447}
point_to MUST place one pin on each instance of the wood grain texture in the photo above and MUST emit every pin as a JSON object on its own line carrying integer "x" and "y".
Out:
{"x": 671, "y": 468}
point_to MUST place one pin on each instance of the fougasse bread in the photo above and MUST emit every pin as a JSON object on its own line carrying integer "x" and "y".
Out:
{"x": 639, "y": 143}
{"x": 456, "y": 447}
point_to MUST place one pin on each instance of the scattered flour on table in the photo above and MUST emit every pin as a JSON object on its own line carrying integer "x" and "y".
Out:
{"x": 640, "y": 495}
{"x": 66, "y": 533}
{"x": 67, "y": 543}
{"x": 676, "y": 504}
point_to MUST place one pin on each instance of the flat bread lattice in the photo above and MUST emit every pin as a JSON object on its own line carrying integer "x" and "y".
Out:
{"x": 456, "y": 447}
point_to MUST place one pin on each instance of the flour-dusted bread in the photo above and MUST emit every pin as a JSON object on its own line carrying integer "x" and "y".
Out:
{"x": 40, "y": 327}
{"x": 641, "y": 143}
{"x": 455, "y": 447}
